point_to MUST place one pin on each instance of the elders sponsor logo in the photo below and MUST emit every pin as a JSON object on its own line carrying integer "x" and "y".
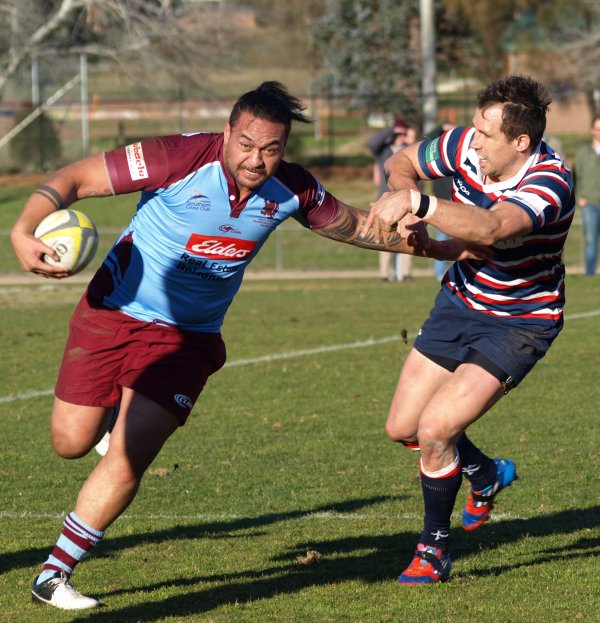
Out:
{"x": 220, "y": 247}
{"x": 183, "y": 401}
{"x": 136, "y": 162}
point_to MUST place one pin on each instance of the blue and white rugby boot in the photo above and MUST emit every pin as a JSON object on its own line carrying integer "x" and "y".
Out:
{"x": 480, "y": 503}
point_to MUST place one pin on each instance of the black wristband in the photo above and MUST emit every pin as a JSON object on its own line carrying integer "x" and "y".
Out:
{"x": 423, "y": 206}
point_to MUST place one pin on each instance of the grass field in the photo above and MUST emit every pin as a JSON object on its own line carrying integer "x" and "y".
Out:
{"x": 285, "y": 453}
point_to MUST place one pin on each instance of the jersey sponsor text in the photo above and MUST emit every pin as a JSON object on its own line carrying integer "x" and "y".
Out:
{"x": 220, "y": 247}
{"x": 136, "y": 162}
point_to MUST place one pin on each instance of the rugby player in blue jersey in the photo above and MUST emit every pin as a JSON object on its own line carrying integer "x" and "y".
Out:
{"x": 207, "y": 203}
{"x": 493, "y": 319}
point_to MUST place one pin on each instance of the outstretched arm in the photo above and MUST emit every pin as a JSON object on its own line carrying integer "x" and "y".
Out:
{"x": 82, "y": 179}
{"x": 467, "y": 222}
{"x": 350, "y": 227}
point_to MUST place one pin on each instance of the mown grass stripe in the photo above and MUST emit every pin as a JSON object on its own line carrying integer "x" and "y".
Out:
{"x": 280, "y": 356}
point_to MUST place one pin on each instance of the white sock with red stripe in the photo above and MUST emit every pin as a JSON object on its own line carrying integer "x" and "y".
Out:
{"x": 73, "y": 545}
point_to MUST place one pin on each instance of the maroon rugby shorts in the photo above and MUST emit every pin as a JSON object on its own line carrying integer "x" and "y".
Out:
{"x": 107, "y": 350}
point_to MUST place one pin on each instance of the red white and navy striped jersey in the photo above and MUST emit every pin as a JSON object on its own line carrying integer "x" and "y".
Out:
{"x": 524, "y": 282}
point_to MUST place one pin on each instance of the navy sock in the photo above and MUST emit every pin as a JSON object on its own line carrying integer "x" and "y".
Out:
{"x": 479, "y": 469}
{"x": 439, "y": 495}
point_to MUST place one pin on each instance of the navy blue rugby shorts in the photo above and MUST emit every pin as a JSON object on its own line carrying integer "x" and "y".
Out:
{"x": 454, "y": 334}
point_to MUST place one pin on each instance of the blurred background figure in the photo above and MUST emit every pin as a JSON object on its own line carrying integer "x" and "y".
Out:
{"x": 383, "y": 144}
{"x": 586, "y": 175}
{"x": 442, "y": 188}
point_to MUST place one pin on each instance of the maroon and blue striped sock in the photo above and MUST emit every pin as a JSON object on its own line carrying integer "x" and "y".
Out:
{"x": 74, "y": 543}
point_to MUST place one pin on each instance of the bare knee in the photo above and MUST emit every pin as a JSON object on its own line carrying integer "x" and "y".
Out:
{"x": 435, "y": 441}
{"x": 76, "y": 429}
{"x": 398, "y": 430}
{"x": 68, "y": 448}
{"x": 391, "y": 430}
{"x": 72, "y": 441}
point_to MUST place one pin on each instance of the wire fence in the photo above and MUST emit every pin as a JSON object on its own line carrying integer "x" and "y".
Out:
{"x": 55, "y": 116}
{"x": 68, "y": 115}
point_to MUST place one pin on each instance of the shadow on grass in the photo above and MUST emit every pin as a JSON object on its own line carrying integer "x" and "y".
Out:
{"x": 384, "y": 558}
{"x": 210, "y": 530}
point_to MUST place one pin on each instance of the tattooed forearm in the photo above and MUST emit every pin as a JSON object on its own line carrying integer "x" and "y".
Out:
{"x": 348, "y": 227}
{"x": 52, "y": 195}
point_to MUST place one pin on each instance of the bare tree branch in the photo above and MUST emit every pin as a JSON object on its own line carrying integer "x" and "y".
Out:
{"x": 148, "y": 34}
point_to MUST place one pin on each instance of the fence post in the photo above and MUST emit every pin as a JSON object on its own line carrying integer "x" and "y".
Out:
{"x": 278, "y": 251}
{"x": 85, "y": 128}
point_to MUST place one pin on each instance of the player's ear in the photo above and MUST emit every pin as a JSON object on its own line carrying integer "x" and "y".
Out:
{"x": 226, "y": 133}
{"x": 523, "y": 142}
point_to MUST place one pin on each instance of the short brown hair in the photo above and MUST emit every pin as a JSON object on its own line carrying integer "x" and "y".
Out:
{"x": 525, "y": 103}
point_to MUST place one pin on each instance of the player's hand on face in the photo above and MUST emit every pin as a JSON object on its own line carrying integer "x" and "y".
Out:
{"x": 30, "y": 252}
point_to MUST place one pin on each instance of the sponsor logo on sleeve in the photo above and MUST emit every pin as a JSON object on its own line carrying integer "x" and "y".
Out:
{"x": 136, "y": 162}
{"x": 320, "y": 193}
{"x": 220, "y": 247}
{"x": 432, "y": 152}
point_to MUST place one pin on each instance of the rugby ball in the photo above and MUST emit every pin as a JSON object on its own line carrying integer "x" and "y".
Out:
{"x": 72, "y": 235}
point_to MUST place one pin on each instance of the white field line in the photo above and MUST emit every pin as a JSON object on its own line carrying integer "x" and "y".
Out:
{"x": 240, "y": 362}
{"x": 214, "y": 517}
{"x": 278, "y": 357}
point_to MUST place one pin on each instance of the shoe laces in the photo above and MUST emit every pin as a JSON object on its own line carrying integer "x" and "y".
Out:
{"x": 477, "y": 501}
{"x": 63, "y": 579}
{"x": 418, "y": 565}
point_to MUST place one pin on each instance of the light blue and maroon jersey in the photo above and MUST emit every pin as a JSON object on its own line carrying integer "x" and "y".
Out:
{"x": 525, "y": 280}
{"x": 181, "y": 260}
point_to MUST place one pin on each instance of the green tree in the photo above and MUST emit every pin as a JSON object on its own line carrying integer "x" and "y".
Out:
{"x": 573, "y": 47}
{"x": 557, "y": 41}
{"x": 368, "y": 53}
{"x": 142, "y": 37}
